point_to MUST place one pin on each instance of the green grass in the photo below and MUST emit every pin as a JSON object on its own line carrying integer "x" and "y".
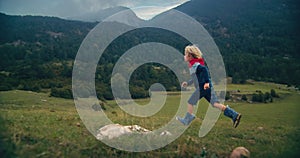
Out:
{"x": 261, "y": 86}
{"x": 36, "y": 125}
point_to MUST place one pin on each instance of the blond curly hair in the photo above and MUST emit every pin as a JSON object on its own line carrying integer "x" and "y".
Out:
{"x": 193, "y": 50}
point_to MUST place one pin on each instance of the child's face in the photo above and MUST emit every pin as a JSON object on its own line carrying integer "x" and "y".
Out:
{"x": 187, "y": 57}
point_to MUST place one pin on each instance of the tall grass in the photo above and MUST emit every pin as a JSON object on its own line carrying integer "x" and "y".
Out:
{"x": 36, "y": 125}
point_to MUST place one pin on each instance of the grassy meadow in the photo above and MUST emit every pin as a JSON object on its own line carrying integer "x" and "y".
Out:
{"x": 36, "y": 125}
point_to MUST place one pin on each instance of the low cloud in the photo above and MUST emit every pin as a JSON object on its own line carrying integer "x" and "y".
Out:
{"x": 68, "y": 8}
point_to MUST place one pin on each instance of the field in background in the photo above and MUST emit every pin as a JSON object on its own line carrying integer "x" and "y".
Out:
{"x": 36, "y": 125}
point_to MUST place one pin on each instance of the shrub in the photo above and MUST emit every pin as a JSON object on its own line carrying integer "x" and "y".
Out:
{"x": 30, "y": 86}
{"x": 5, "y": 87}
{"x": 138, "y": 92}
{"x": 262, "y": 97}
{"x": 274, "y": 94}
{"x": 267, "y": 97}
{"x": 227, "y": 96}
{"x": 258, "y": 97}
{"x": 61, "y": 93}
{"x": 244, "y": 97}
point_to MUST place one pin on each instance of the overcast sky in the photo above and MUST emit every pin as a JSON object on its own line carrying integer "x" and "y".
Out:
{"x": 70, "y": 8}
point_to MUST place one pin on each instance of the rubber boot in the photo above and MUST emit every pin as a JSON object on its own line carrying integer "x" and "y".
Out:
{"x": 187, "y": 119}
{"x": 233, "y": 115}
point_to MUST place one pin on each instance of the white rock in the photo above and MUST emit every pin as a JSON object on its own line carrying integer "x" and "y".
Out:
{"x": 116, "y": 130}
{"x": 112, "y": 131}
{"x": 165, "y": 133}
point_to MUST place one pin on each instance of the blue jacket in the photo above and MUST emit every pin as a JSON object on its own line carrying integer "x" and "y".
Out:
{"x": 200, "y": 76}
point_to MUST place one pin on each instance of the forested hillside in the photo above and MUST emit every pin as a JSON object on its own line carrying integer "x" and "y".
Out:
{"x": 258, "y": 40}
{"x": 37, "y": 52}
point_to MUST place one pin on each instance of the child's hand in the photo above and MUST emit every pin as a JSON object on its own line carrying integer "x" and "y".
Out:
{"x": 206, "y": 86}
{"x": 184, "y": 84}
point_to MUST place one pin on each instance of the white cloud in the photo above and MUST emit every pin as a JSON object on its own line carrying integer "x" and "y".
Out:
{"x": 67, "y": 8}
{"x": 148, "y": 12}
{"x": 143, "y": 9}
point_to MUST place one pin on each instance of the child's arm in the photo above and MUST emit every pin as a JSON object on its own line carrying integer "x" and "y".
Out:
{"x": 190, "y": 82}
{"x": 185, "y": 84}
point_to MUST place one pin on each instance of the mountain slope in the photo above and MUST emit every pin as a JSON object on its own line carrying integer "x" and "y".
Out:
{"x": 258, "y": 39}
{"x": 262, "y": 27}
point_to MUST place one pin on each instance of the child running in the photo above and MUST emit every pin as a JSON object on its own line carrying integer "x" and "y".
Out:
{"x": 204, "y": 88}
